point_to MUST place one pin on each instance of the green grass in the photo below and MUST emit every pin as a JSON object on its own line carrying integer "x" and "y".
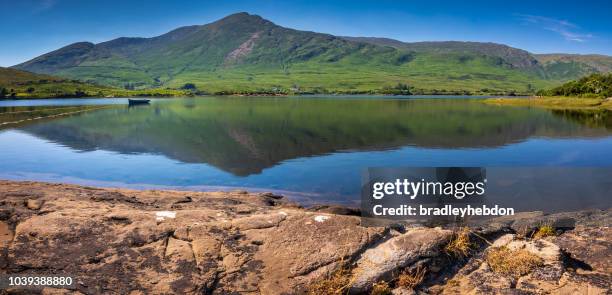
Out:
{"x": 558, "y": 103}
{"x": 20, "y": 84}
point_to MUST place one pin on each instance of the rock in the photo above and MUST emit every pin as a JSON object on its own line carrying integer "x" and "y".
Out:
{"x": 33, "y": 204}
{"x": 503, "y": 240}
{"x": 300, "y": 250}
{"x": 271, "y": 195}
{"x": 6, "y": 235}
{"x": 142, "y": 242}
{"x": 126, "y": 241}
{"x": 259, "y": 221}
{"x": 339, "y": 210}
{"x": 402, "y": 291}
{"x": 549, "y": 252}
{"x": 543, "y": 279}
{"x": 378, "y": 263}
{"x": 588, "y": 248}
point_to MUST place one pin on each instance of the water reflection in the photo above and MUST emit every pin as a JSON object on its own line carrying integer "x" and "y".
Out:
{"x": 246, "y": 135}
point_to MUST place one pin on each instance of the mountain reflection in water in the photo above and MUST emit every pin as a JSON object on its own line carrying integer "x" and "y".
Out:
{"x": 246, "y": 135}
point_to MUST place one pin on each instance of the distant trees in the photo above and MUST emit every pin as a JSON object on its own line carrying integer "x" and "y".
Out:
{"x": 189, "y": 86}
{"x": 595, "y": 85}
{"x": 30, "y": 89}
{"x": 3, "y": 92}
{"x": 399, "y": 89}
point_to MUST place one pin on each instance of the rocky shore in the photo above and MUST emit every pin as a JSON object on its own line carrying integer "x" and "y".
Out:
{"x": 116, "y": 241}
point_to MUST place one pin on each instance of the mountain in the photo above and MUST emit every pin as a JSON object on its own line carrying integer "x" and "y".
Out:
{"x": 246, "y": 53}
{"x": 516, "y": 58}
{"x": 561, "y": 65}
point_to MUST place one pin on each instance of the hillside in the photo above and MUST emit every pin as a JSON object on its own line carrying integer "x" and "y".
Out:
{"x": 22, "y": 84}
{"x": 574, "y": 65}
{"x": 594, "y": 85}
{"x": 246, "y": 53}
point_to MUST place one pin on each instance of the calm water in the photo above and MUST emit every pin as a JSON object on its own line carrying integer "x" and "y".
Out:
{"x": 313, "y": 148}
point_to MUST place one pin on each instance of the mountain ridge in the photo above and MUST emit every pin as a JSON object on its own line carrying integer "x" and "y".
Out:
{"x": 247, "y": 53}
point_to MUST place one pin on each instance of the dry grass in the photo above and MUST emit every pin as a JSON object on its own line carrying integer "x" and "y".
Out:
{"x": 381, "y": 288}
{"x": 459, "y": 245}
{"x": 336, "y": 283}
{"x": 411, "y": 279}
{"x": 512, "y": 262}
{"x": 522, "y": 233}
{"x": 543, "y": 231}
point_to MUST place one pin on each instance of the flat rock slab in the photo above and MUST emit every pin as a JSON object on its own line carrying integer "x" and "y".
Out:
{"x": 170, "y": 242}
{"x": 379, "y": 262}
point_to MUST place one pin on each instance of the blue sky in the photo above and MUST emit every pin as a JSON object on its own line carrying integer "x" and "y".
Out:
{"x": 29, "y": 28}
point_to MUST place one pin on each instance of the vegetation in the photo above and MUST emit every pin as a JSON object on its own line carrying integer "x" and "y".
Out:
{"x": 460, "y": 244}
{"x": 336, "y": 283}
{"x": 594, "y": 85}
{"x": 16, "y": 84}
{"x": 381, "y": 288}
{"x": 543, "y": 231}
{"x": 245, "y": 54}
{"x": 411, "y": 279}
{"x": 512, "y": 262}
{"x": 555, "y": 103}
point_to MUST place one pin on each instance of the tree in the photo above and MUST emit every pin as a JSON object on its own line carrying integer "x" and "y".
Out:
{"x": 30, "y": 89}
{"x": 3, "y": 92}
{"x": 189, "y": 86}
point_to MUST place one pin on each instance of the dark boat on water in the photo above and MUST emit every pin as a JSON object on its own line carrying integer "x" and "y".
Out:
{"x": 138, "y": 101}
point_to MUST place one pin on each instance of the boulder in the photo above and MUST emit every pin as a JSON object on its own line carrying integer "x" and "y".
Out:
{"x": 378, "y": 263}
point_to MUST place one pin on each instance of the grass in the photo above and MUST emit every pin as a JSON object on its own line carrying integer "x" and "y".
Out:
{"x": 555, "y": 103}
{"x": 459, "y": 245}
{"x": 336, "y": 283}
{"x": 381, "y": 288}
{"x": 512, "y": 262}
{"x": 16, "y": 84}
{"x": 545, "y": 230}
{"x": 411, "y": 279}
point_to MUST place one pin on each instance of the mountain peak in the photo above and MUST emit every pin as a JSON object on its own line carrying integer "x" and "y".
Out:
{"x": 242, "y": 17}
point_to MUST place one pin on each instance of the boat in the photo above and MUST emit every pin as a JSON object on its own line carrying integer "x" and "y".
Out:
{"x": 138, "y": 101}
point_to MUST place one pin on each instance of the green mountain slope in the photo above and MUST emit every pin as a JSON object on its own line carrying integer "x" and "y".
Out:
{"x": 246, "y": 53}
{"x": 573, "y": 66}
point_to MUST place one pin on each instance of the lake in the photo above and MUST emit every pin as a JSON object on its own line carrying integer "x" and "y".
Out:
{"x": 311, "y": 148}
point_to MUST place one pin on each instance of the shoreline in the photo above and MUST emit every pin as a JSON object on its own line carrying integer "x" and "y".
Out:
{"x": 165, "y": 241}
{"x": 374, "y": 94}
{"x": 554, "y": 103}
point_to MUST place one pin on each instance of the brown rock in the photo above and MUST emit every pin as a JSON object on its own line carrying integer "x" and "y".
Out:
{"x": 161, "y": 242}
{"x": 589, "y": 248}
{"x": 378, "y": 263}
{"x": 33, "y": 204}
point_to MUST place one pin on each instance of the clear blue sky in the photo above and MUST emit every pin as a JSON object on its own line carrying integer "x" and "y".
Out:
{"x": 29, "y": 28}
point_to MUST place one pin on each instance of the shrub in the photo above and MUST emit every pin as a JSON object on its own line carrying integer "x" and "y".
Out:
{"x": 189, "y": 86}
{"x": 543, "y": 231}
{"x": 459, "y": 245}
{"x": 512, "y": 262}
{"x": 381, "y": 288}
{"x": 337, "y": 282}
{"x": 411, "y": 279}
